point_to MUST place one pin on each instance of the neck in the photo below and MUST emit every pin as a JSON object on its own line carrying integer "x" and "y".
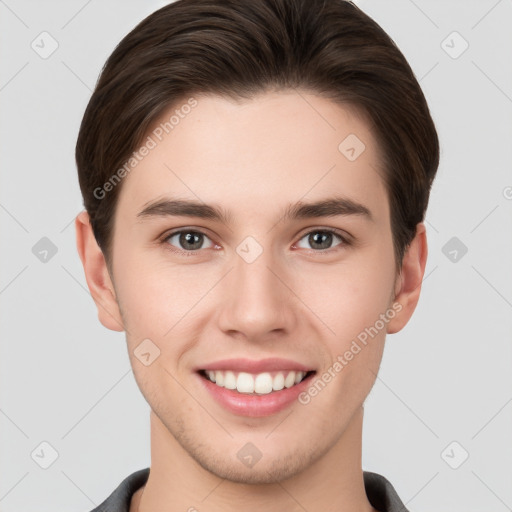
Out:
{"x": 333, "y": 482}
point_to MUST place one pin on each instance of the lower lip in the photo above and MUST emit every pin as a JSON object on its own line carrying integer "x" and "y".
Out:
{"x": 255, "y": 406}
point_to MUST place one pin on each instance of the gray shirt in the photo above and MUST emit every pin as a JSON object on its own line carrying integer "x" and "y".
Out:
{"x": 381, "y": 494}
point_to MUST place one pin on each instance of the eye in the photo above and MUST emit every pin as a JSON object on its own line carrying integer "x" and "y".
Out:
{"x": 322, "y": 239}
{"x": 188, "y": 240}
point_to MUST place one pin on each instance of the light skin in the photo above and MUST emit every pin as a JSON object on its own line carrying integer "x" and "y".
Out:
{"x": 299, "y": 299}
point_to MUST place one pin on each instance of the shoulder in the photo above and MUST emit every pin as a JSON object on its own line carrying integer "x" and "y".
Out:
{"x": 381, "y": 493}
{"x": 119, "y": 500}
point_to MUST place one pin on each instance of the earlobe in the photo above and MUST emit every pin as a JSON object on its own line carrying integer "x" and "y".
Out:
{"x": 408, "y": 285}
{"x": 97, "y": 275}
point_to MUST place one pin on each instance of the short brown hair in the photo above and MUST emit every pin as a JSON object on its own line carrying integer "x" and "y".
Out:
{"x": 239, "y": 48}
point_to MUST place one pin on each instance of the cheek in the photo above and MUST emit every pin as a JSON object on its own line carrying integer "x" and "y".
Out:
{"x": 352, "y": 296}
{"x": 352, "y": 306}
{"x": 160, "y": 301}
{"x": 144, "y": 302}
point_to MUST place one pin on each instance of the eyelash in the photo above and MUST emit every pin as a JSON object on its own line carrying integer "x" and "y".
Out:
{"x": 345, "y": 241}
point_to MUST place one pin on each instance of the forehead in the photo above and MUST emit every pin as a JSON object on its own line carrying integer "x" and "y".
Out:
{"x": 276, "y": 148}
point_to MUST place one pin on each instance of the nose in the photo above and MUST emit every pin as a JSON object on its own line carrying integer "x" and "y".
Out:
{"x": 258, "y": 301}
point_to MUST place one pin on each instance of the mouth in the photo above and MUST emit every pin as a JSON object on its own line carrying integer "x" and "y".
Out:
{"x": 263, "y": 383}
{"x": 254, "y": 388}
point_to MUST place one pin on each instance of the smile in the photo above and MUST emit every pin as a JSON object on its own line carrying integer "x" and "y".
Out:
{"x": 260, "y": 384}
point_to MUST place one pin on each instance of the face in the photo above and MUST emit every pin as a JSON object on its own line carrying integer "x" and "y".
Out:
{"x": 266, "y": 281}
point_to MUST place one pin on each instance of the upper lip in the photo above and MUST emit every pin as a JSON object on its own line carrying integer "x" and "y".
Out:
{"x": 261, "y": 366}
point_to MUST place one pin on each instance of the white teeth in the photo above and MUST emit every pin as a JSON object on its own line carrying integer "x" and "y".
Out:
{"x": 290, "y": 380}
{"x": 230, "y": 380}
{"x": 278, "y": 382}
{"x": 262, "y": 384}
{"x": 245, "y": 383}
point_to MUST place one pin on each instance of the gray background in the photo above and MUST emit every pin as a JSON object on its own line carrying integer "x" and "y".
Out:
{"x": 66, "y": 380}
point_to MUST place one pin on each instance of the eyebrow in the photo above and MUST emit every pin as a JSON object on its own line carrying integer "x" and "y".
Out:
{"x": 337, "y": 206}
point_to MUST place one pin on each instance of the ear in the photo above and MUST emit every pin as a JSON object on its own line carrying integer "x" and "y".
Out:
{"x": 96, "y": 274}
{"x": 408, "y": 283}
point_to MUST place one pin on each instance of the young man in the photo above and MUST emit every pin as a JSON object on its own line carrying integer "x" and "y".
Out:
{"x": 255, "y": 176}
